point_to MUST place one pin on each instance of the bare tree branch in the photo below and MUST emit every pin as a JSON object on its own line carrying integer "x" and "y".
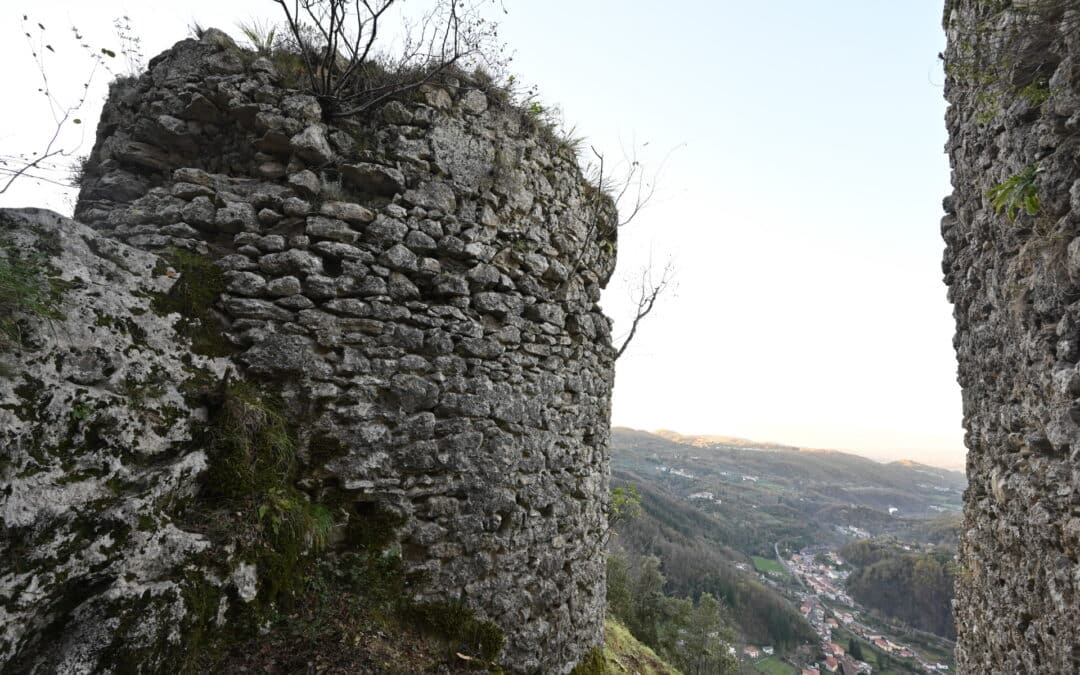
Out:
{"x": 346, "y": 36}
{"x": 62, "y": 114}
{"x": 646, "y": 295}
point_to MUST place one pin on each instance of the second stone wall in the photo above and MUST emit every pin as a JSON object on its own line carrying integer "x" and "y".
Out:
{"x": 1013, "y": 270}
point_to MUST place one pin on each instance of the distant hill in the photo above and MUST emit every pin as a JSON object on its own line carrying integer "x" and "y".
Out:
{"x": 705, "y": 440}
{"x": 764, "y": 492}
{"x": 712, "y": 503}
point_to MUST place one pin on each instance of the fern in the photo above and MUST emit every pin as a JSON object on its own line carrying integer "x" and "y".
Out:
{"x": 1016, "y": 194}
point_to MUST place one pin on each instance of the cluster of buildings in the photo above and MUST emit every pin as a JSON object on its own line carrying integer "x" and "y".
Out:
{"x": 835, "y": 657}
{"x": 675, "y": 471}
{"x": 753, "y": 652}
{"x": 852, "y": 531}
{"x": 822, "y": 581}
{"x": 705, "y": 496}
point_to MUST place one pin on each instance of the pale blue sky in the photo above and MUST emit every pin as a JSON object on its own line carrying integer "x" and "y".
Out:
{"x": 802, "y": 212}
{"x": 800, "y": 201}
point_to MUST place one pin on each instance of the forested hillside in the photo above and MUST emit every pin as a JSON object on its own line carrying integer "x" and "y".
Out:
{"x": 689, "y": 548}
{"x": 913, "y": 586}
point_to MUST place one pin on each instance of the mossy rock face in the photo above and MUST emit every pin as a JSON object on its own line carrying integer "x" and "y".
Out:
{"x": 199, "y": 285}
{"x": 99, "y": 457}
{"x": 459, "y": 625}
{"x": 149, "y": 496}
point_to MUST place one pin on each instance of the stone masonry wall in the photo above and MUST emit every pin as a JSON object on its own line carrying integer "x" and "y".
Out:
{"x": 421, "y": 286}
{"x": 1013, "y": 85}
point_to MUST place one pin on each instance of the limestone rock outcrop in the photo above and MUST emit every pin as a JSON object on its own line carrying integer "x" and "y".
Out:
{"x": 418, "y": 287}
{"x": 1012, "y": 264}
{"x": 96, "y": 428}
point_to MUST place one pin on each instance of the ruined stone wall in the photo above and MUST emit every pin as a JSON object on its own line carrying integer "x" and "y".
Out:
{"x": 1013, "y": 271}
{"x": 420, "y": 285}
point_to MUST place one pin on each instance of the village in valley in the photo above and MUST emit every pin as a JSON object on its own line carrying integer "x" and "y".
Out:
{"x": 814, "y": 577}
{"x": 800, "y": 530}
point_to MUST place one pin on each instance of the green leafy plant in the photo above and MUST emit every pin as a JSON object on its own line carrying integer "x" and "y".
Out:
{"x": 1017, "y": 194}
{"x": 625, "y": 504}
{"x": 81, "y": 411}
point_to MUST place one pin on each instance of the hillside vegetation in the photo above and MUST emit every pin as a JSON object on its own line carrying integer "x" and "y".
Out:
{"x": 623, "y": 653}
{"x": 696, "y": 559}
{"x": 716, "y": 511}
{"x": 915, "y": 587}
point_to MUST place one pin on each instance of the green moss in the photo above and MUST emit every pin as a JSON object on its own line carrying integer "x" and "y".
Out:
{"x": 193, "y": 295}
{"x": 459, "y": 626}
{"x": 370, "y": 527}
{"x": 253, "y": 449}
{"x": 323, "y": 448}
{"x": 202, "y": 600}
{"x": 30, "y": 393}
{"x": 138, "y": 393}
{"x": 593, "y": 663}
{"x": 81, "y": 411}
{"x": 133, "y": 650}
{"x": 1037, "y": 92}
{"x": 292, "y": 528}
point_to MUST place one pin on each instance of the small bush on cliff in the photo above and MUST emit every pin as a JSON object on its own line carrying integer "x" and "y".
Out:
{"x": 592, "y": 664}
{"x": 337, "y": 41}
{"x": 252, "y": 498}
{"x": 253, "y": 449}
{"x": 456, "y": 623}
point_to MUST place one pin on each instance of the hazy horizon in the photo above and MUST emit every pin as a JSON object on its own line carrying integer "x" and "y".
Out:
{"x": 883, "y": 456}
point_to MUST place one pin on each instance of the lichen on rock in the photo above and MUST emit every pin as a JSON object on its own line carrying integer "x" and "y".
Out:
{"x": 95, "y": 428}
